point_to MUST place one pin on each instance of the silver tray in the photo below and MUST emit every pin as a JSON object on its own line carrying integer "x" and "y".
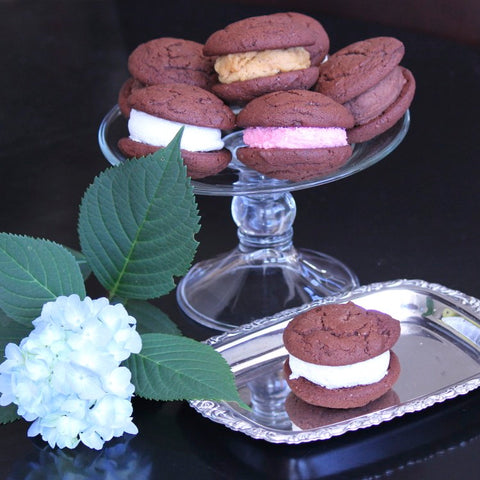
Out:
{"x": 439, "y": 352}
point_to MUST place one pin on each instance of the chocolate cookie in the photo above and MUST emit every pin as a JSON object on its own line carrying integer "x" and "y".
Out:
{"x": 171, "y": 60}
{"x": 239, "y": 93}
{"x": 159, "y": 111}
{"x": 267, "y": 53}
{"x": 335, "y": 335}
{"x": 366, "y": 78}
{"x": 340, "y": 334}
{"x": 126, "y": 89}
{"x": 294, "y": 135}
{"x": 183, "y": 103}
{"x": 390, "y": 115}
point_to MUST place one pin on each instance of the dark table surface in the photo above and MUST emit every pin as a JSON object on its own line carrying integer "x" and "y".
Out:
{"x": 413, "y": 215}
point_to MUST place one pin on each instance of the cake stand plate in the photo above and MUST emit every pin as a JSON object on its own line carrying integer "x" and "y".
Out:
{"x": 265, "y": 273}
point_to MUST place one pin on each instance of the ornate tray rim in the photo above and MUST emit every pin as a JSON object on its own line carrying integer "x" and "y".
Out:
{"x": 222, "y": 412}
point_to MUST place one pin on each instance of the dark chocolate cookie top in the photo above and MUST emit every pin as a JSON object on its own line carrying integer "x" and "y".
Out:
{"x": 294, "y": 108}
{"x": 358, "y": 67}
{"x": 170, "y": 60}
{"x": 265, "y": 32}
{"x": 183, "y": 103}
{"x": 340, "y": 334}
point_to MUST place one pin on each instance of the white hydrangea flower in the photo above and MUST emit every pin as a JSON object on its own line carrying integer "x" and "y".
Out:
{"x": 66, "y": 377}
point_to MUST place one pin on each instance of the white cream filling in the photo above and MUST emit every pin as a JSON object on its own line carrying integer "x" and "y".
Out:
{"x": 146, "y": 128}
{"x": 361, "y": 373}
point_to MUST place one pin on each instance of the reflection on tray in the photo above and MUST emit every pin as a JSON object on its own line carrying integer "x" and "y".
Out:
{"x": 461, "y": 325}
{"x": 306, "y": 417}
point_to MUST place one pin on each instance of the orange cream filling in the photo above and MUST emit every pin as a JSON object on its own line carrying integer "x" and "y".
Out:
{"x": 238, "y": 67}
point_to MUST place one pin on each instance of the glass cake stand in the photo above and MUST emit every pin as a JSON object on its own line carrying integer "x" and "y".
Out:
{"x": 264, "y": 273}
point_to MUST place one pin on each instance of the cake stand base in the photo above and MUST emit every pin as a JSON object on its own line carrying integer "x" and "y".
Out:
{"x": 238, "y": 287}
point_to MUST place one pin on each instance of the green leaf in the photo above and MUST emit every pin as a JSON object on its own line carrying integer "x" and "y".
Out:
{"x": 82, "y": 262}
{"x": 178, "y": 368}
{"x": 430, "y": 308}
{"x": 9, "y": 413}
{"x": 137, "y": 225}
{"x": 11, "y": 332}
{"x": 151, "y": 319}
{"x": 32, "y": 272}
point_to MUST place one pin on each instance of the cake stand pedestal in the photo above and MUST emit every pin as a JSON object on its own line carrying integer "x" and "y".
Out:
{"x": 265, "y": 273}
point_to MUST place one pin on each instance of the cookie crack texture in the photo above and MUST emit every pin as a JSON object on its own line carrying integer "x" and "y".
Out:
{"x": 176, "y": 102}
{"x": 171, "y": 60}
{"x": 340, "y": 334}
{"x": 294, "y": 108}
{"x": 263, "y": 32}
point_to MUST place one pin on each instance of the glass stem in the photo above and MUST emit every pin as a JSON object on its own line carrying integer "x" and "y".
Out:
{"x": 264, "y": 221}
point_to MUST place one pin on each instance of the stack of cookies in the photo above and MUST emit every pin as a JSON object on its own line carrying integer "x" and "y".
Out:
{"x": 301, "y": 109}
{"x": 340, "y": 355}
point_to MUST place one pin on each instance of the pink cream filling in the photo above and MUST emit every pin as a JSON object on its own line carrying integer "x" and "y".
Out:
{"x": 294, "y": 137}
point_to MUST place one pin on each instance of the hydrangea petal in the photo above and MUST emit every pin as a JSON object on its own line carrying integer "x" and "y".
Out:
{"x": 92, "y": 439}
{"x": 118, "y": 382}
